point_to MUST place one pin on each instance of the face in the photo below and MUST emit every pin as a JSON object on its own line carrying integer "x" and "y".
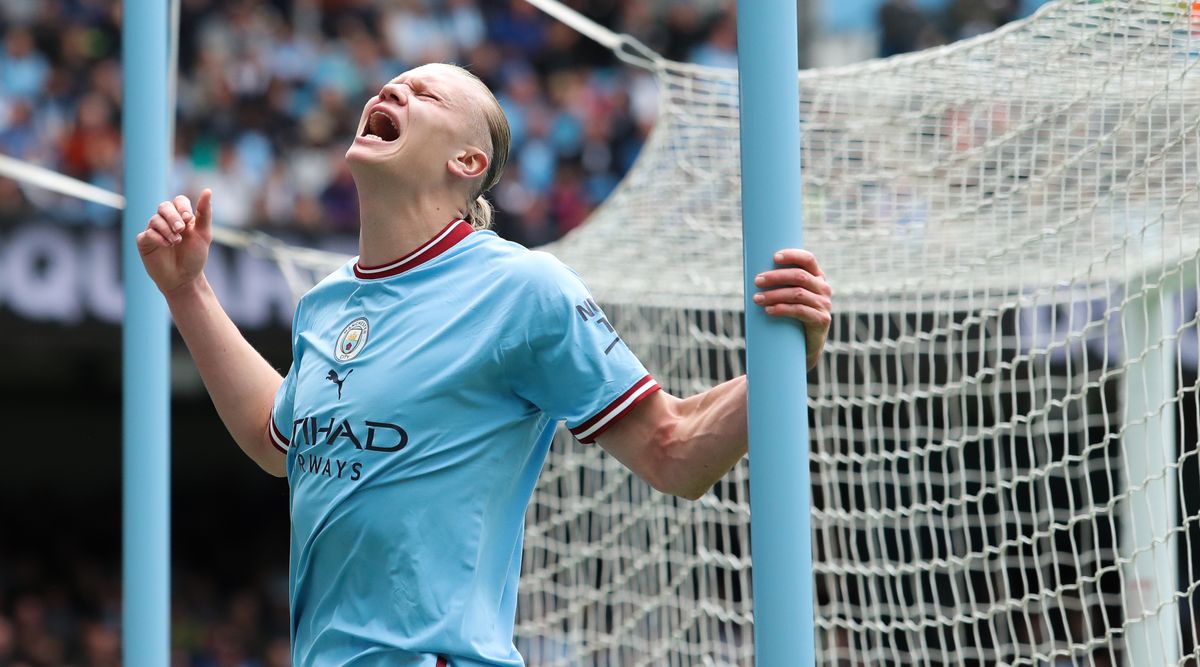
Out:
{"x": 421, "y": 124}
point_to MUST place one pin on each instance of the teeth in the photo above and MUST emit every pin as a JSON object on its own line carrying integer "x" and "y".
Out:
{"x": 380, "y": 124}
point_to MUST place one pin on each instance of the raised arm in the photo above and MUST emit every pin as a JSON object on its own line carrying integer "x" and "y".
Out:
{"x": 174, "y": 248}
{"x": 683, "y": 446}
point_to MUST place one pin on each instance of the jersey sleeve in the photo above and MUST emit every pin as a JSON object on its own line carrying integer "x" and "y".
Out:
{"x": 279, "y": 426}
{"x": 574, "y": 365}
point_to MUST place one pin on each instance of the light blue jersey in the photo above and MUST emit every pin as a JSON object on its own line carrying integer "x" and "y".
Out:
{"x": 416, "y": 417}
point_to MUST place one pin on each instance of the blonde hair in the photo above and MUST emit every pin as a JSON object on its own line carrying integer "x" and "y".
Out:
{"x": 479, "y": 209}
{"x": 479, "y": 213}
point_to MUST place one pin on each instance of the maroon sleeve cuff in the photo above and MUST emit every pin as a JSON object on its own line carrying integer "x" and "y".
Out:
{"x": 278, "y": 439}
{"x": 588, "y": 431}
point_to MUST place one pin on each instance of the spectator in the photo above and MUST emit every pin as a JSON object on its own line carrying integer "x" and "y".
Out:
{"x": 968, "y": 18}
{"x": 23, "y": 71}
{"x": 101, "y": 645}
{"x": 903, "y": 27}
{"x": 900, "y": 26}
{"x": 19, "y": 137}
{"x": 719, "y": 49}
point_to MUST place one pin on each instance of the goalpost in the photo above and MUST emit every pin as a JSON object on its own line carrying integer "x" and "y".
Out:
{"x": 776, "y": 364}
{"x": 145, "y": 346}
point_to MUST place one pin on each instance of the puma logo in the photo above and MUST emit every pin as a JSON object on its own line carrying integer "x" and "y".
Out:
{"x": 333, "y": 377}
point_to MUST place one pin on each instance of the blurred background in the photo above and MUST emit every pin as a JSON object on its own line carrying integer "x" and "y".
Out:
{"x": 269, "y": 93}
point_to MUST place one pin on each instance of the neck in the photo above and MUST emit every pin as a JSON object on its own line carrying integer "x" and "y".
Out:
{"x": 394, "y": 221}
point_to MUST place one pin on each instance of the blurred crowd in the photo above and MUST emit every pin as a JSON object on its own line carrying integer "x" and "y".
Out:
{"x": 68, "y": 615}
{"x": 904, "y": 26}
{"x": 269, "y": 94}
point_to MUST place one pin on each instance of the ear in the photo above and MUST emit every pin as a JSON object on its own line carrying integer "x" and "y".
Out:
{"x": 470, "y": 162}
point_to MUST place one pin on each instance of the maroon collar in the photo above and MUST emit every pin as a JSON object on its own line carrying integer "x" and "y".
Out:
{"x": 454, "y": 232}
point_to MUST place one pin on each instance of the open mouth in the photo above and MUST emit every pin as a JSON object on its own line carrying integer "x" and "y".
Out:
{"x": 381, "y": 126}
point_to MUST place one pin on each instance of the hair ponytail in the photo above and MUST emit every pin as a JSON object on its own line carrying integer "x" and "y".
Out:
{"x": 479, "y": 213}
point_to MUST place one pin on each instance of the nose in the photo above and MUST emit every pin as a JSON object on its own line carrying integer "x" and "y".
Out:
{"x": 395, "y": 92}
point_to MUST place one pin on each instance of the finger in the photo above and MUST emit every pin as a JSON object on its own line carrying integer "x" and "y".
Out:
{"x": 164, "y": 229}
{"x": 807, "y": 315}
{"x": 204, "y": 210}
{"x": 793, "y": 278}
{"x": 796, "y": 295}
{"x": 149, "y": 241}
{"x": 184, "y": 206}
{"x": 801, "y": 258}
{"x": 167, "y": 212}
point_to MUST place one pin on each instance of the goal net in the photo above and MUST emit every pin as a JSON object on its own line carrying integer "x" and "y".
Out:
{"x": 1003, "y": 425}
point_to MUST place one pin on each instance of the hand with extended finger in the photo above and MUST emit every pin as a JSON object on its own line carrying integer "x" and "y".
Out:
{"x": 798, "y": 290}
{"x": 174, "y": 245}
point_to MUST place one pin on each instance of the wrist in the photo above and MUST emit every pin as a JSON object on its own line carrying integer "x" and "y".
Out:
{"x": 193, "y": 290}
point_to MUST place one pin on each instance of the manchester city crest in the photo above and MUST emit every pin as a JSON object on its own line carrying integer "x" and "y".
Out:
{"x": 352, "y": 340}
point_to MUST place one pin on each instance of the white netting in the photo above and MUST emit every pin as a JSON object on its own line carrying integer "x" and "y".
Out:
{"x": 1010, "y": 225}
